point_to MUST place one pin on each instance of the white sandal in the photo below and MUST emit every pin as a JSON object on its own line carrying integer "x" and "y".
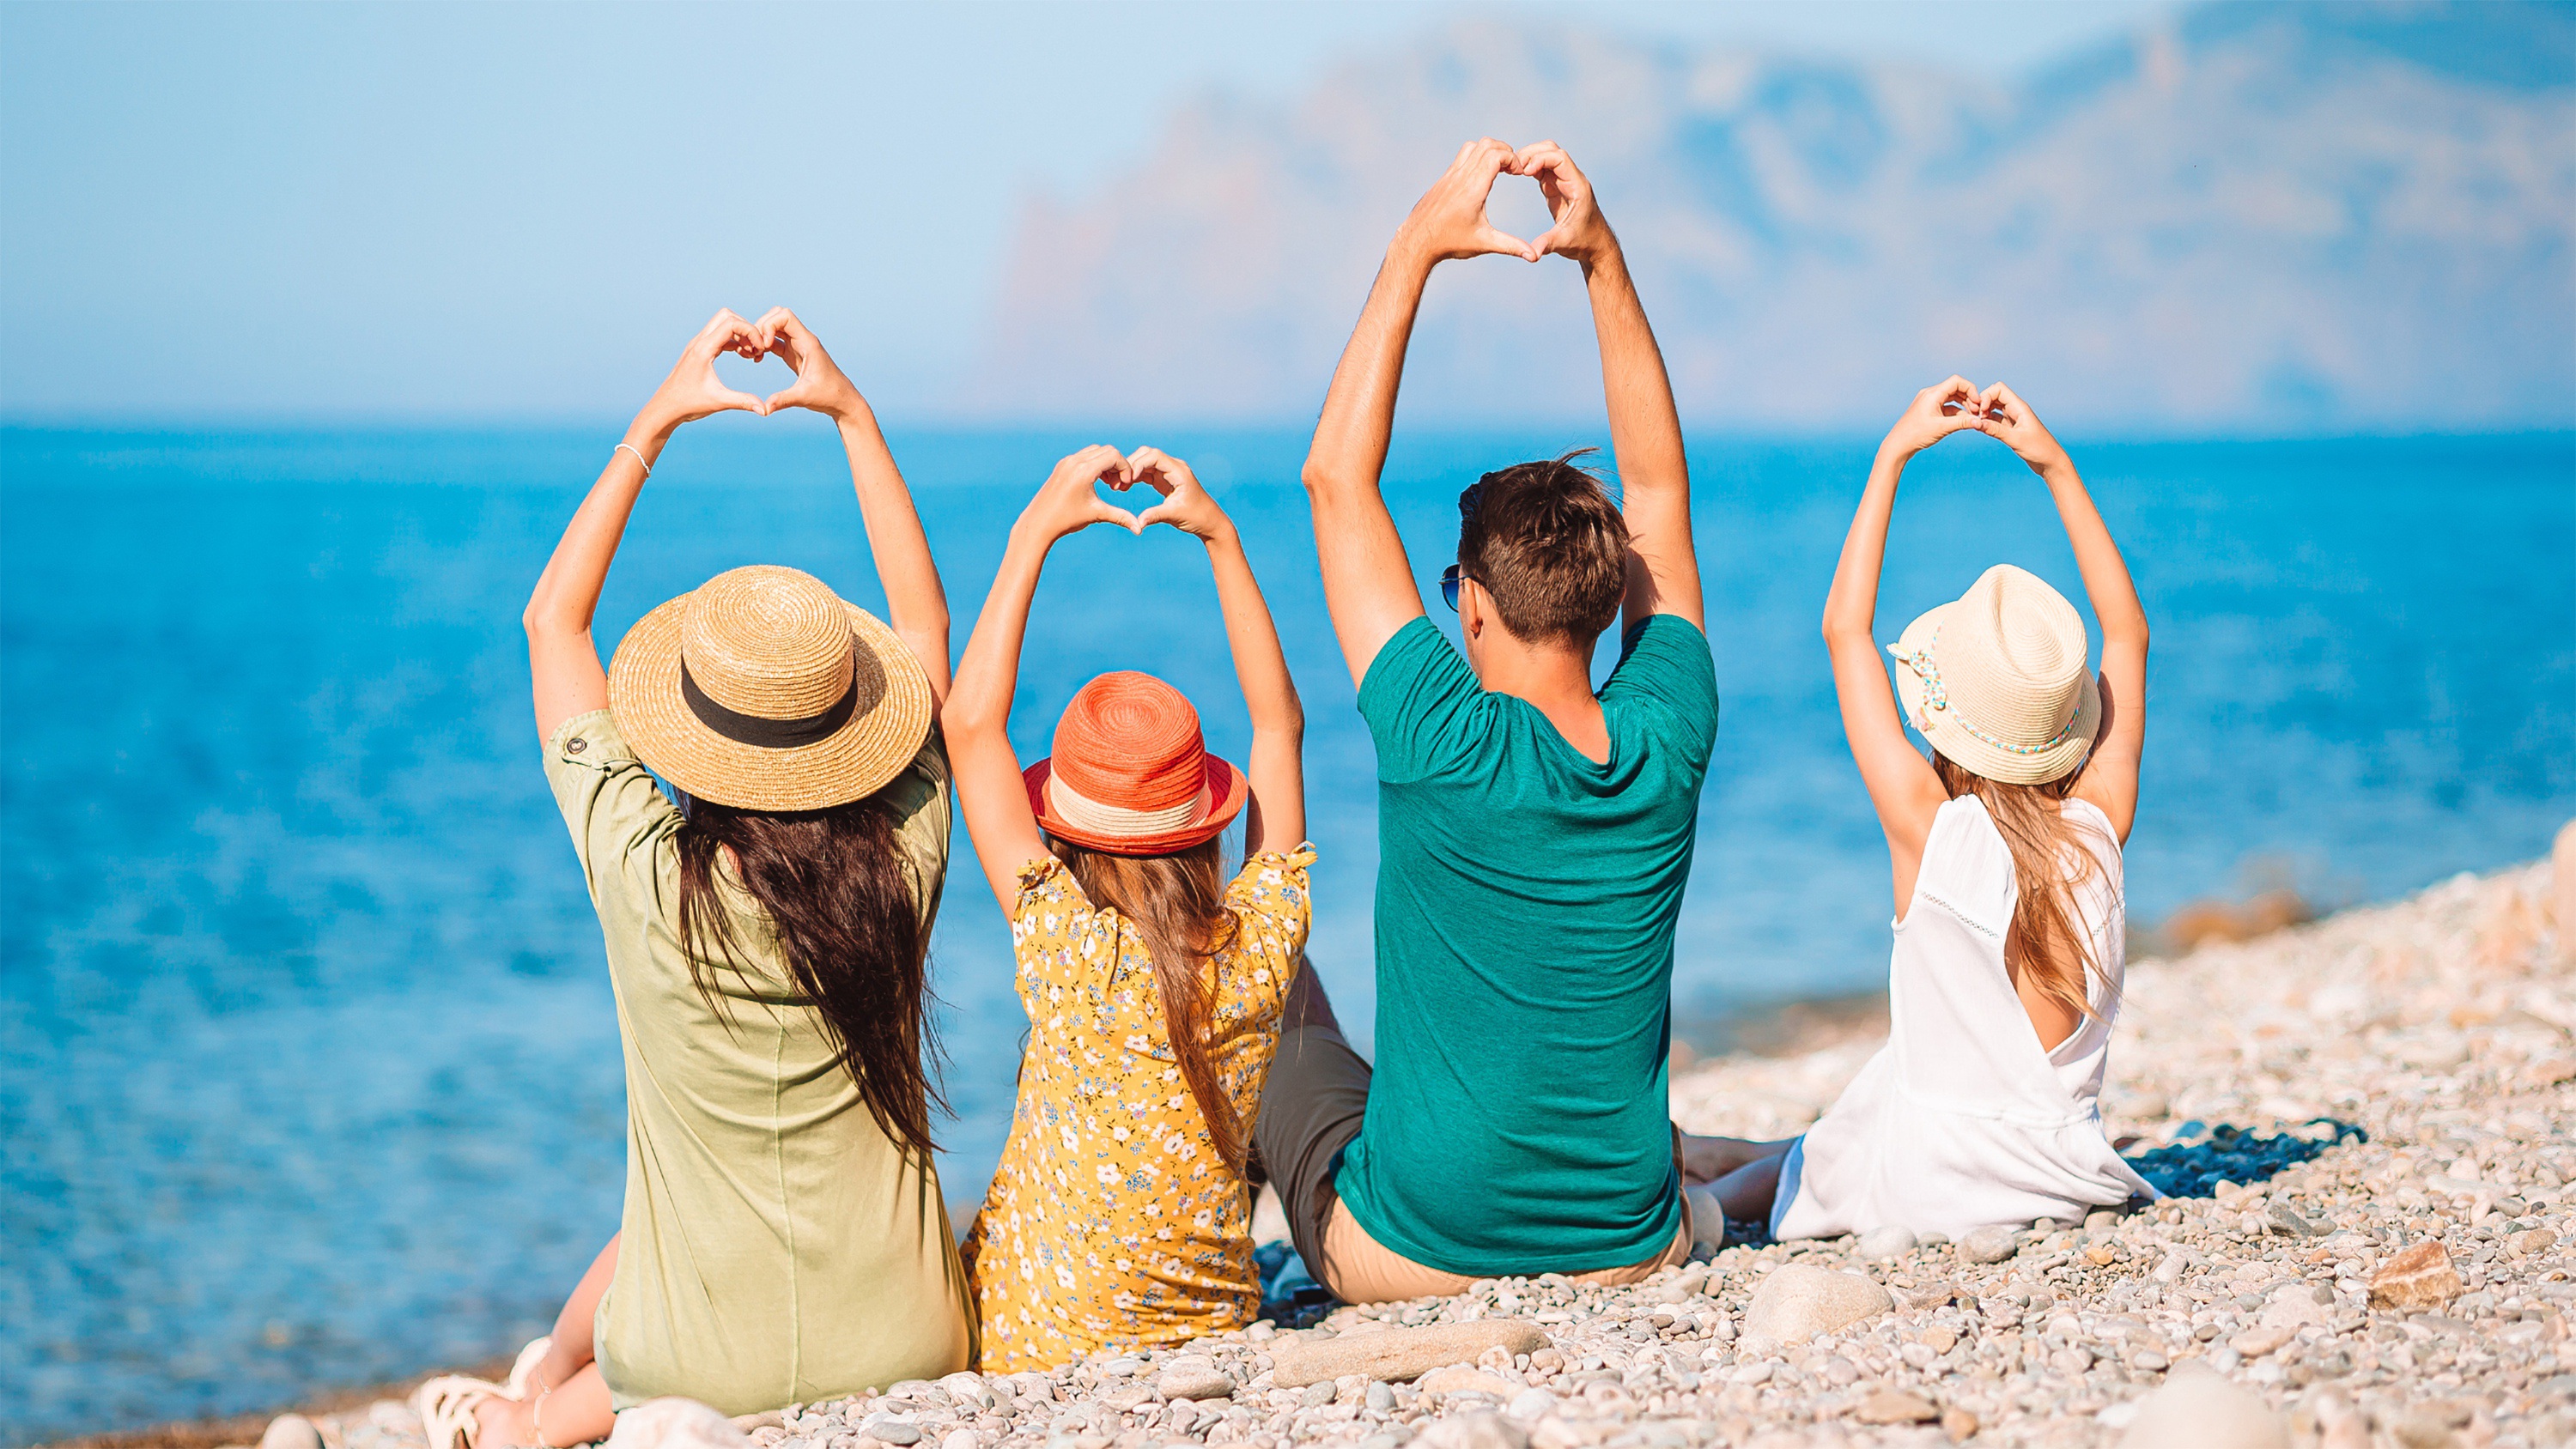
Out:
{"x": 446, "y": 1403}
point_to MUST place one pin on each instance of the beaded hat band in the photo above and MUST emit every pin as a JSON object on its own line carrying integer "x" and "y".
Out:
{"x": 1998, "y": 681}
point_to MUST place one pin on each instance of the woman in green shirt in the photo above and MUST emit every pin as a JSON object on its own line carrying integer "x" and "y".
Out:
{"x": 783, "y": 1237}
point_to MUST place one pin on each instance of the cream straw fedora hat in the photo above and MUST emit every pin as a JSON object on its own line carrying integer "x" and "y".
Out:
{"x": 761, "y": 690}
{"x": 1997, "y": 681}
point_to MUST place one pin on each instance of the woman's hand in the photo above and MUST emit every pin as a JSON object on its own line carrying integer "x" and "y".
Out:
{"x": 1579, "y": 232}
{"x": 1185, "y": 506}
{"x": 2002, "y": 414}
{"x": 1066, "y": 503}
{"x": 693, "y": 391}
{"x": 1936, "y": 412}
{"x": 1449, "y": 221}
{"x": 820, "y": 384}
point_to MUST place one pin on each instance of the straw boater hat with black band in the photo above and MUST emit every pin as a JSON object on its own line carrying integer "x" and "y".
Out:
{"x": 1131, "y": 773}
{"x": 762, "y": 690}
{"x": 1996, "y": 679}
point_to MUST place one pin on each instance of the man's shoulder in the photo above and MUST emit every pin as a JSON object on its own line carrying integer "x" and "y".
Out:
{"x": 1665, "y": 664}
{"x": 1417, "y": 649}
{"x": 1665, "y": 638}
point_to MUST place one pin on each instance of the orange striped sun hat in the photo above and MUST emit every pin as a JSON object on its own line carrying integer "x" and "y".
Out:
{"x": 1131, "y": 774}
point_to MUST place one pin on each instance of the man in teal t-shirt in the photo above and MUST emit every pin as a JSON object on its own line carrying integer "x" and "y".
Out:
{"x": 1534, "y": 835}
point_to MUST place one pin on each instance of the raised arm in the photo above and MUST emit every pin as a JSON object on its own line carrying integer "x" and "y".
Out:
{"x": 1900, "y": 781}
{"x": 564, "y": 673}
{"x": 916, "y": 604}
{"x": 1276, "y": 817}
{"x": 2110, "y": 778}
{"x": 1645, "y": 430}
{"x": 978, "y": 716}
{"x": 1368, "y": 582}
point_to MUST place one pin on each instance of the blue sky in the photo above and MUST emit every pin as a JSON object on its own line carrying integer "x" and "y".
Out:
{"x": 415, "y": 211}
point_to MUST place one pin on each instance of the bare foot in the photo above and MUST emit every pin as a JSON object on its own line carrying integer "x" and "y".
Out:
{"x": 501, "y": 1423}
{"x": 1706, "y": 1159}
{"x": 1748, "y": 1191}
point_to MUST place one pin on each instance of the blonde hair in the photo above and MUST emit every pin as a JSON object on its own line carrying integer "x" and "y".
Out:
{"x": 2046, "y": 943}
{"x": 1176, "y": 903}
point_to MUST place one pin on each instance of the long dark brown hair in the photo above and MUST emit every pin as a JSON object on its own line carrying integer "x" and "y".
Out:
{"x": 2045, "y": 944}
{"x": 1176, "y": 903}
{"x": 840, "y": 894}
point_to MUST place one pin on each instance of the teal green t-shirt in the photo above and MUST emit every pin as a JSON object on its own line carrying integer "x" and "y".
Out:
{"x": 1517, "y": 1118}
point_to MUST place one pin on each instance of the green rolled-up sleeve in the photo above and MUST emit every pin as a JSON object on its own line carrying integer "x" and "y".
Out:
{"x": 621, "y": 822}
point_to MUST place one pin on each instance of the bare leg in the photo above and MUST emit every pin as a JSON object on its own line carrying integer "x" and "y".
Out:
{"x": 576, "y": 1412}
{"x": 567, "y": 1399}
{"x": 1307, "y": 1005}
{"x": 1706, "y": 1159}
{"x": 1749, "y": 1189}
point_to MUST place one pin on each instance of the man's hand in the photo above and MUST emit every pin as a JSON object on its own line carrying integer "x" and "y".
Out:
{"x": 1449, "y": 221}
{"x": 1066, "y": 503}
{"x": 1579, "y": 232}
{"x": 2002, "y": 414}
{"x": 820, "y": 385}
{"x": 693, "y": 391}
{"x": 1937, "y": 411}
{"x": 1185, "y": 506}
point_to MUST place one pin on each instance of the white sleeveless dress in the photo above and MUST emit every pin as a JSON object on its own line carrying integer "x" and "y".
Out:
{"x": 1962, "y": 1120}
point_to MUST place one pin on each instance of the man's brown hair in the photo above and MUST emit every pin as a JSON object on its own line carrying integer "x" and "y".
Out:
{"x": 1547, "y": 543}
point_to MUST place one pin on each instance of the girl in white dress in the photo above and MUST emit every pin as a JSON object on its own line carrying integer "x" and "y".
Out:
{"x": 2005, "y": 850}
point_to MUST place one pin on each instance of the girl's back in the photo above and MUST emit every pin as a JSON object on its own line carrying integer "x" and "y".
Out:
{"x": 2004, "y": 855}
{"x": 1113, "y": 1218}
{"x": 1967, "y": 1118}
{"x": 1153, "y": 985}
{"x": 1953, "y": 1008}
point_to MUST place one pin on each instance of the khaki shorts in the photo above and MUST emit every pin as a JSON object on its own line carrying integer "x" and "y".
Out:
{"x": 1311, "y": 1108}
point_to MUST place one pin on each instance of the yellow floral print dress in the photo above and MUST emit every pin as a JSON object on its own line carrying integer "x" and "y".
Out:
{"x": 1112, "y": 1222}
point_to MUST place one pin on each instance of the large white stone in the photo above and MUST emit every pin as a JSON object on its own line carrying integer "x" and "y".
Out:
{"x": 1398, "y": 1353}
{"x": 675, "y": 1423}
{"x": 291, "y": 1431}
{"x": 2199, "y": 1409}
{"x": 1482, "y": 1430}
{"x": 1796, "y": 1301}
{"x": 1989, "y": 1245}
{"x": 1892, "y": 1241}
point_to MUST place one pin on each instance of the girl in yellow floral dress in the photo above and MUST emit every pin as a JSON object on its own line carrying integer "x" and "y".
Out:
{"x": 1119, "y": 1216}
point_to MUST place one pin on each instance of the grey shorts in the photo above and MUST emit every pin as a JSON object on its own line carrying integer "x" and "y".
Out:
{"x": 1311, "y": 1108}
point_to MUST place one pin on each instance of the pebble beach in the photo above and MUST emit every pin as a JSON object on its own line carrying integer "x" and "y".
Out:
{"x": 2368, "y": 1128}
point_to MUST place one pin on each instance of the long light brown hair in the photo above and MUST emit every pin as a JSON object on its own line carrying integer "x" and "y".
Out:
{"x": 836, "y": 889}
{"x": 1176, "y": 903}
{"x": 2046, "y": 943}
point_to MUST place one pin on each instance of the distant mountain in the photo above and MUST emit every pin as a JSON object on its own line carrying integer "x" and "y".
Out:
{"x": 2250, "y": 217}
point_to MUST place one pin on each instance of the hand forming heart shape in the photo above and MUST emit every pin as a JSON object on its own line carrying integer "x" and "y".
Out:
{"x": 1067, "y": 503}
{"x": 693, "y": 390}
{"x": 1956, "y": 405}
{"x": 1449, "y": 221}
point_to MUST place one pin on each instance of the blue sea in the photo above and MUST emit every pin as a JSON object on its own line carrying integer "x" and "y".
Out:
{"x": 308, "y": 1069}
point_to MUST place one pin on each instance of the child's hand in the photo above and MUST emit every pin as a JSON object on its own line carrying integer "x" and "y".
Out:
{"x": 2002, "y": 414}
{"x": 1066, "y": 503}
{"x": 1185, "y": 506}
{"x": 1936, "y": 412}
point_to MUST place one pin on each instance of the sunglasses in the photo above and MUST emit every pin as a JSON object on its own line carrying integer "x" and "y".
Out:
{"x": 1450, "y": 577}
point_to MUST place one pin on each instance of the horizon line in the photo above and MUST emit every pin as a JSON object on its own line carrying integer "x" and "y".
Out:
{"x": 937, "y": 425}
